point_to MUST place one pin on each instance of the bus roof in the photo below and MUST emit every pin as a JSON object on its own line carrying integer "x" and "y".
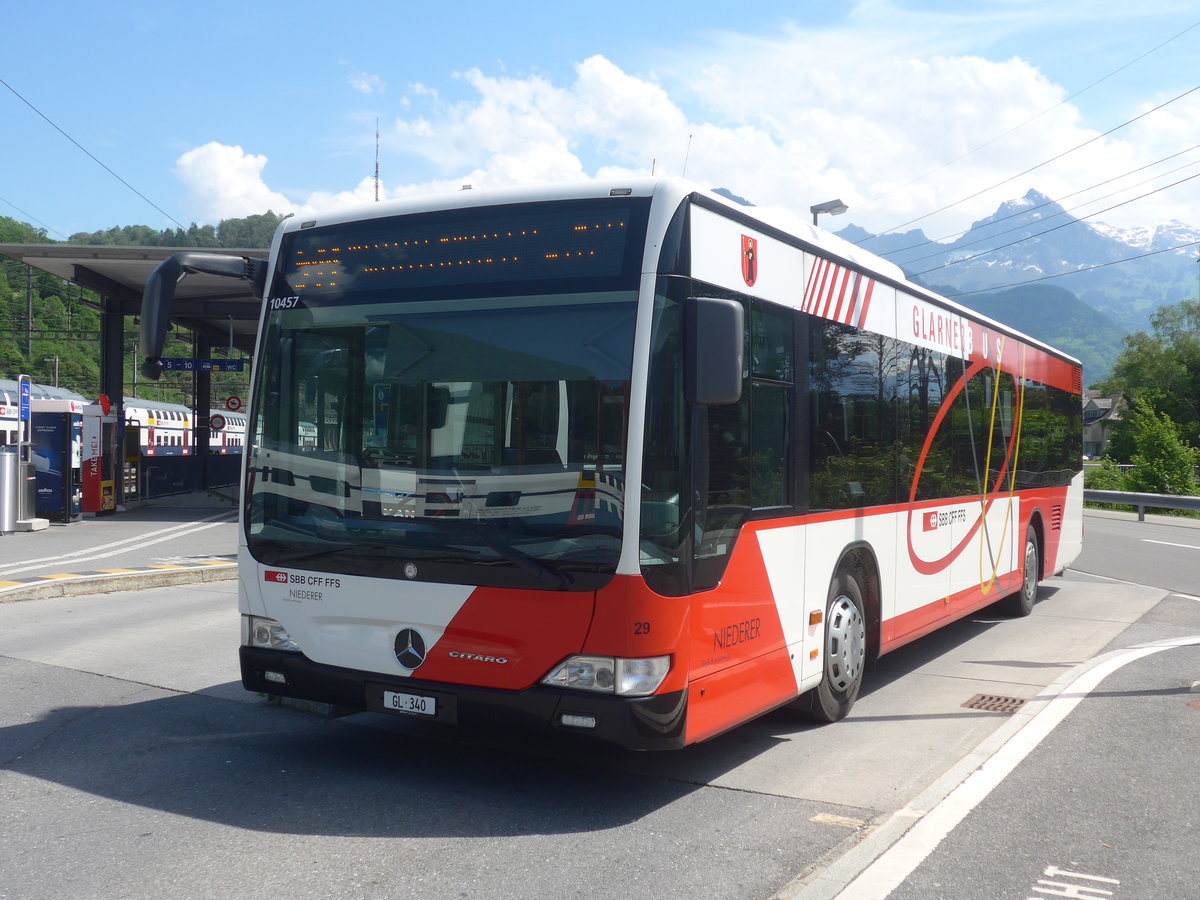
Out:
{"x": 783, "y": 223}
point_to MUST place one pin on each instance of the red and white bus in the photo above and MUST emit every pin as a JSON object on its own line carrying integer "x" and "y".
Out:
{"x": 624, "y": 460}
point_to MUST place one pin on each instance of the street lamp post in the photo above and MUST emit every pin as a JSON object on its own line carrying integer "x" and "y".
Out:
{"x": 53, "y": 359}
{"x": 831, "y": 208}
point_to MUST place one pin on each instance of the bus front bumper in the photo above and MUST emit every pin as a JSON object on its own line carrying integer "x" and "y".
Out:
{"x": 635, "y": 723}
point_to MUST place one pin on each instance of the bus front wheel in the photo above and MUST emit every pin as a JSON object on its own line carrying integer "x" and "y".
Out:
{"x": 845, "y": 653}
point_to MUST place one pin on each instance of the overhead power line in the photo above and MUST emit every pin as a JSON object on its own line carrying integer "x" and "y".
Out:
{"x": 1115, "y": 262}
{"x": 31, "y": 218}
{"x": 91, "y": 155}
{"x": 1054, "y": 228}
{"x": 1030, "y": 120}
{"x": 1047, "y": 162}
{"x": 1027, "y": 210}
{"x": 1061, "y": 212}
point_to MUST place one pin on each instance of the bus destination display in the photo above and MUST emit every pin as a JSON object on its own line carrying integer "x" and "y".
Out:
{"x": 423, "y": 251}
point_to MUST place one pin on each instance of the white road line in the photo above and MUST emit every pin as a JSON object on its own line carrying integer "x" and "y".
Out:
{"x": 890, "y": 869}
{"x": 123, "y": 546}
{"x": 1170, "y": 544}
{"x": 1134, "y": 584}
{"x": 224, "y": 516}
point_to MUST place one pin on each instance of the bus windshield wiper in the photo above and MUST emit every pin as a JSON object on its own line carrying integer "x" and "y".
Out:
{"x": 298, "y": 555}
{"x": 523, "y": 561}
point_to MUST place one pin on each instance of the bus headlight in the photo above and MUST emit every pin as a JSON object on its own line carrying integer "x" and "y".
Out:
{"x": 610, "y": 675}
{"x": 641, "y": 677}
{"x": 259, "y": 631}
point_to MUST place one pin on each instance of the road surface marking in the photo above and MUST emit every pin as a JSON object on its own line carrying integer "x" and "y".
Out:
{"x": 1170, "y": 544}
{"x": 890, "y": 869}
{"x": 184, "y": 529}
{"x": 143, "y": 541}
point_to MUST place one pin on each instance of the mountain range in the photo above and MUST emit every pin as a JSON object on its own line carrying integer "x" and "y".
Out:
{"x": 1117, "y": 277}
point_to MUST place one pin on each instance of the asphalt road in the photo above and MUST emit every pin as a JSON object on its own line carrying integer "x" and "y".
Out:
{"x": 132, "y": 764}
{"x": 1106, "y": 806}
{"x": 1162, "y": 551}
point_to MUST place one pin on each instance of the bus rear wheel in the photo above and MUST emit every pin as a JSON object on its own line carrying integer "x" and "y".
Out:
{"x": 1021, "y": 603}
{"x": 845, "y": 653}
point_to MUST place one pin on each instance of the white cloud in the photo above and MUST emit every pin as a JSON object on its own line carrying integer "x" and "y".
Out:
{"x": 366, "y": 83}
{"x": 225, "y": 182}
{"x": 896, "y": 130}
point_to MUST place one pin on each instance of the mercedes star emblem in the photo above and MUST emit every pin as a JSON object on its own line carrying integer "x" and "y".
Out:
{"x": 410, "y": 648}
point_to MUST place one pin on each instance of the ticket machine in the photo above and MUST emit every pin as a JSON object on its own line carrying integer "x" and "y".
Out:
{"x": 101, "y": 458}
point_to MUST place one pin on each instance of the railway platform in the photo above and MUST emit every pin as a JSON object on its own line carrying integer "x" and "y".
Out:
{"x": 169, "y": 540}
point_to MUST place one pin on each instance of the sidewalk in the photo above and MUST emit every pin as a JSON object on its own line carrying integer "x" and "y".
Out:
{"x": 1090, "y": 785}
{"x": 170, "y": 540}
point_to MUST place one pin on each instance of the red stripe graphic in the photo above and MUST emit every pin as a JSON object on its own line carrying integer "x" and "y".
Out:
{"x": 862, "y": 316}
{"x": 816, "y": 283}
{"x": 854, "y": 294}
{"x": 837, "y": 293}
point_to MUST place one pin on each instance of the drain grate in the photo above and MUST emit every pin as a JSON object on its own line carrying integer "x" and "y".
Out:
{"x": 995, "y": 703}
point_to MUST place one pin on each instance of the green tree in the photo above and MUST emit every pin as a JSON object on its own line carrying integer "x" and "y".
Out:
{"x": 12, "y": 360}
{"x": 53, "y": 314}
{"x": 1105, "y": 477}
{"x": 250, "y": 232}
{"x": 1162, "y": 369}
{"x": 14, "y": 232}
{"x": 1163, "y": 462}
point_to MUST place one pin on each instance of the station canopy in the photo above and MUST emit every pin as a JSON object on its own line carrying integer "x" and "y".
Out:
{"x": 209, "y": 305}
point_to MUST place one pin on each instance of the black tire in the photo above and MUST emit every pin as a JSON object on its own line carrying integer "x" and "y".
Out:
{"x": 1021, "y": 603}
{"x": 845, "y": 653}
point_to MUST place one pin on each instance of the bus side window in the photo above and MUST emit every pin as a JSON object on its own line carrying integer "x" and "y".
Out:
{"x": 772, "y": 371}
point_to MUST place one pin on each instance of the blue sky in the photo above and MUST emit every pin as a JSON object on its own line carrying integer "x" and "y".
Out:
{"x": 225, "y": 109}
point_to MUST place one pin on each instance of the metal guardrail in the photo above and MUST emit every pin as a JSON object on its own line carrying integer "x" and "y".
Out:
{"x": 1142, "y": 501}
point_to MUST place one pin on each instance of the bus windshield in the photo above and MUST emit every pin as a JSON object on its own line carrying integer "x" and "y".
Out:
{"x": 413, "y": 439}
{"x": 443, "y": 396}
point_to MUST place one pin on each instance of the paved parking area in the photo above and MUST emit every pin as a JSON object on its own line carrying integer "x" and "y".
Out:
{"x": 191, "y": 537}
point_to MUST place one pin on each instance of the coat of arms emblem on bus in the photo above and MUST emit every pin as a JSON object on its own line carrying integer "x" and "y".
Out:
{"x": 749, "y": 260}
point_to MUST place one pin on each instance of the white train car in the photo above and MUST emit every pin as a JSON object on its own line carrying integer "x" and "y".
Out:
{"x": 164, "y": 429}
{"x": 231, "y": 437}
{"x": 43, "y": 398}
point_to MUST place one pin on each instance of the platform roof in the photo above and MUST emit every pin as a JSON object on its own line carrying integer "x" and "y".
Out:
{"x": 209, "y": 305}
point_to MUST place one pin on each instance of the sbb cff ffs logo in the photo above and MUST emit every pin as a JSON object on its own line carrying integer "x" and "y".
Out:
{"x": 935, "y": 519}
{"x": 275, "y": 577}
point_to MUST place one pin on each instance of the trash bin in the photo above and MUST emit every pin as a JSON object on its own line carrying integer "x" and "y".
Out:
{"x": 10, "y": 490}
{"x": 27, "y": 508}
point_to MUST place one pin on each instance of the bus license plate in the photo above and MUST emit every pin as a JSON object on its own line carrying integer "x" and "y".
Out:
{"x": 410, "y": 704}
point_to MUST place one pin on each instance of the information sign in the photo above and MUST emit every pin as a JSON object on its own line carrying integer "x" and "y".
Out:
{"x": 183, "y": 364}
{"x": 25, "y": 392}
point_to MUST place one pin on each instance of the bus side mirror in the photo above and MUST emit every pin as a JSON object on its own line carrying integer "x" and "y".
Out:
{"x": 714, "y": 338}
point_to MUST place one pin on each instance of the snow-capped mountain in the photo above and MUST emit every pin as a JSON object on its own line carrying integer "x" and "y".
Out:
{"x": 1116, "y": 278}
{"x": 1152, "y": 238}
{"x": 1031, "y": 237}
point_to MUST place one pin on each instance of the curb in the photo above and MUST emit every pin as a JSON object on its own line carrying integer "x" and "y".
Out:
{"x": 42, "y": 587}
